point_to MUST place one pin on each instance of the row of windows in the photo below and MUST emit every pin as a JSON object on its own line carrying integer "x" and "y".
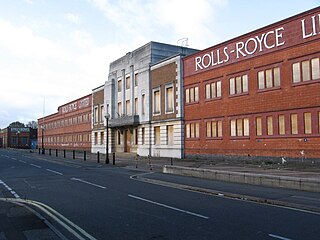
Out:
{"x": 67, "y": 139}
{"x": 269, "y": 78}
{"x": 136, "y": 106}
{"x": 281, "y": 124}
{"x": 96, "y": 139}
{"x": 128, "y": 82}
{"x": 98, "y": 114}
{"x": 169, "y": 100}
{"x": 85, "y": 118}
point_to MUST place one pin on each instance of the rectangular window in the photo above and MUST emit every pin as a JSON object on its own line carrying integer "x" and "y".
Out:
{"x": 214, "y": 129}
{"x": 96, "y": 138}
{"x": 142, "y": 136}
{"x": 169, "y": 99}
{"x": 239, "y": 127}
{"x": 258, "y": 126}
{"x": 192, "y": 94}
{"x": 102, "y": 113}
{"x": 118, "y": 137}
{"x": 197, "y": 130}
{"x": 136, "y": 79}
{"x": 156, "y": 101}
{"x": 128, "y": 108}
{"x": 196, "y": 94}
{"x": 246, "y": 127}
{"x": 282, "y": 128}
{"x": 307, "y": 123}
{"x": 192, "y": 130}
{"x": 305, "y": 70}
{"x": 119, "y": 85}
{"x": 188, "y": 130}
{"x": 170, "y": 135}
{"x": 136, "y": 136}
{"x": 157, "y": 135}
{"x": 187, "y": 95}
{"x": 269, "y": 125}
{"x": 143, "y": 104}
{"x": 119, "y": 108}
{"x": 213, "y": 90}
{"x": 238, "y": 84}
{"x": 233, "y": 126}
{"x": 136, "y": 106}
{"x": 95, "y": 115}
{"x": 102, "y": 138}
{"x": 128, "y": 82}
{"x": 269, "y": 78}
{"x": 294, "y": 123}
{"x": 208, "y": 124}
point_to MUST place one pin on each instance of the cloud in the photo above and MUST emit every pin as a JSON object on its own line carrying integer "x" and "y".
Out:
{"x": 28, "y": 1}
{"x": 73, "y": 18}
{"x": 176, "y": 18}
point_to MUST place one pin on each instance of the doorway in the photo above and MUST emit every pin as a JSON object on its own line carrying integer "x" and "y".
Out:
{"x": 127, "y": 141}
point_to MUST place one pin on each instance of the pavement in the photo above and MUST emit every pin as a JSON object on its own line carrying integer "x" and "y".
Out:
{"x": 18, "y": 221}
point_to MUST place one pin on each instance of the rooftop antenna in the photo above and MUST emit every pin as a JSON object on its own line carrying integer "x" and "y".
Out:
{"x": 183, "y": 42}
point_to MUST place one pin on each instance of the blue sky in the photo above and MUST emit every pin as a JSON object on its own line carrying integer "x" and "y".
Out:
{"x": 61, "y": 49}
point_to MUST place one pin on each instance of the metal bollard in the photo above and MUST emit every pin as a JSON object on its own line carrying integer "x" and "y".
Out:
{"x": 136, "y": 160}
{"x": 98, "y": 157}
{"x": 74, "y": 154}
{"x": 56, "y": 152}
{"x": 113, "y": 158}
{"x": 39, "y": 150}
{"x": 171, "y": 162}
{"x": 64, "y": 153}
{"x": 149, "y": 157}
{"x": 50, "y": 152}
{"x": 84, "y": 156}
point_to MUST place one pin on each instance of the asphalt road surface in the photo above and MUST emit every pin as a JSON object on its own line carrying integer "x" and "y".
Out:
{"x": 106, "y": 202}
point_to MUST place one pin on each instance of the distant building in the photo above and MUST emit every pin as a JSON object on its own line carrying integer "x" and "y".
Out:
{"x": 69, "y": 128}
{"x": 98, "y": 135}
{"x": 18, "y": 137}
{"x": 257, "y": 94}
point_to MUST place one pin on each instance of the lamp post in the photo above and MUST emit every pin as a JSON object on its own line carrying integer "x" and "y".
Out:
{"x": 107, "y": 137}
{"x": 42, "y": 131}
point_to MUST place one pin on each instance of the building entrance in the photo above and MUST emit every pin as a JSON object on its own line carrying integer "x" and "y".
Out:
{"x": 127, "y": 141}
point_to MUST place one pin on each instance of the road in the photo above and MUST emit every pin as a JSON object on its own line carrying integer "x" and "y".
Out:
{"x": 108, "y": 203}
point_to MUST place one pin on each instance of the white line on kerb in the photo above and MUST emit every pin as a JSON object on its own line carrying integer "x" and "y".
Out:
{"x": 37, "y": 166}
{"x": 166, "y": 206}
{"x": 93, "y": 184}
{"x": 22, "y": 161}
{"x": 9, "y": 189}
{"x": 278, "y": 237}
{"x": 59, "y": 173}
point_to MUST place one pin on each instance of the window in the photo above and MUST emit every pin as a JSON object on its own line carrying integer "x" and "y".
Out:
{"x": 118, "y": 137}
{"x": 307, "y": 123}
{"x": 282, "y": 126}
{"x": 156, "y": 101}
{"x": 213, "y": 90}
{"x": 119, "y": 85}
{"x": 294, "y": 123}
{"x": 214, "y": 129}
{"x": 269, "y": 78}
{"x": 102, "y": 113}
{"x": 169, "y": 99}
{"x": 305, "y": 70}
{"x": 192, "y": 130}
{"x": 170, "y": 135}
{"x": 128, "y": 111}
{"x": 136, "y": 106}
{"x": 157, "y": 135}
{"x": 128, "y": 82}
{"x": 95, "y": 115}
{"x": 142, "y": 136}
{"x": 143, "y": 104}
{"x": 119, "y": 108}
{"x": 269, "y": 125}
{"x": 96, "y": 138}
{"x": 136, "y": 79}
{"x": 135, "y": 136}
{"x": 258, "y": 126}
{"x": 238, "y": 84}
{"x": 102, "y": 138}
{"x": 239, "y": 127}
{"x": 192, "y": 94}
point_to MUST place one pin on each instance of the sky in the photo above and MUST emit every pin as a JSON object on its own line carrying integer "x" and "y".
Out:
{"x": 55, "y": 51}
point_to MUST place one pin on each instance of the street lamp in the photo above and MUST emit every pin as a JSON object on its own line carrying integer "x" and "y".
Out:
{"x": 107, "y": 116}
{"x": 42, "y": 130}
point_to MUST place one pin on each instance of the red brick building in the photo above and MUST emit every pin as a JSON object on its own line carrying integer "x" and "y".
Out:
{"x": 69, "y": 128}
{"x": 257, "y": 94}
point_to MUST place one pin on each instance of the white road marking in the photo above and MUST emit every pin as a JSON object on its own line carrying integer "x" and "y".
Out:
{"x": 93, "y": 184}
{"x": 22, "y": 161}
{"x": 14, "y": 158}
{"x": 278, "y": 237}
{"x": 37, "y": 166}
{"x": 166, "y": 206}
{"x": 59, "y": 173}
{"x": 9, "y": 189}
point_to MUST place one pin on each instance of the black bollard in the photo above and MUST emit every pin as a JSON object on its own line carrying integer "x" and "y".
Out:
{"x": 56, "y": 152}
{"x": 39, "y": 150}
{"x": 50, "y": 152}
{"x": 64, "y": 153}
{"x": 84, "y": 156}
{"x": 98, "y": 157}
{"x": 74, "y": 154}
{"x": 171, "y": 161}
{"x": 113, "y": 158}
